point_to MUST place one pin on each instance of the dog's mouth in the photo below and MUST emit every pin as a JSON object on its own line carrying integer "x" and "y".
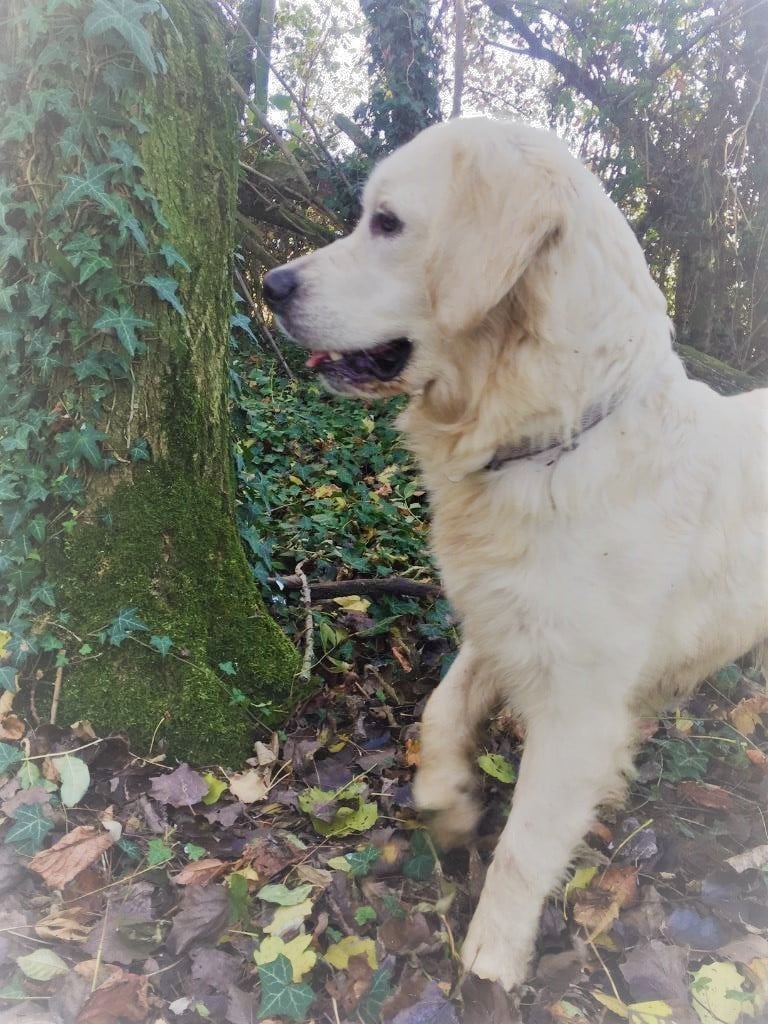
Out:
{"x": 363, "y": 366}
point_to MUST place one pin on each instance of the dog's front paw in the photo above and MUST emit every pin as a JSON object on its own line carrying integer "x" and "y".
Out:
{"x": 451, "y": 805}
{"x": 491, "y": 951}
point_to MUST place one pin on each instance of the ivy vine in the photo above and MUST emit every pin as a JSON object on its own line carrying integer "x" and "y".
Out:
{"x": 82, "y": 242}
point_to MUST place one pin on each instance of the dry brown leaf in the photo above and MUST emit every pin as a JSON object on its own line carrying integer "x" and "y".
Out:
{"x": 250, "y": 787}
{"x": 706, "y": 794}
{"x": 757, "y": 757}
{"x": 71, "y": 855}
{"x": 200, "y": 872}
{"x": 757, "y": 857}
{"x": 66, "y": 925}
{"x": 597, "y": 907}
{"x": 122, "y": 997}
{"x": 11, "y": 727}
{"x": 412, "y": 753}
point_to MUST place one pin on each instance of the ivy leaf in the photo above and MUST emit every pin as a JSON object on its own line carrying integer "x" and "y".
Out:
{"x": 162, "y": 644}
{"x": 91, "y": 264}
{"x": 9, "y": 755}
{"x": 44, "y": 592}
{"x": 279, "y": 994}
{"x": 158, "y": 852}
{"x": 79, "y": 187}
{"x": 123, "y": 322}
{"x": 7, "y": 682}
{"x": 124, "y": 623}
{"x": 29, "y": 829}
{"x": 139, "y": 450}
{"x": 172, "y": 256}
{"x": 380, "y": 990}
{"x": 165, "y": 287}
{"x": 124, "y": 17}
{"x": 81, "y": 444}
{"x": 75, "y": 778}
{"x": 421, "y": 864}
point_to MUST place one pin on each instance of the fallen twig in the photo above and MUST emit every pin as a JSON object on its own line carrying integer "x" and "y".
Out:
{"x": 309, "y": 625}
{"x": 343, "y": 588}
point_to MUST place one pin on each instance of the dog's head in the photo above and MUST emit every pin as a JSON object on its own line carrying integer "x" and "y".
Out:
{"x": 451, "y": 223}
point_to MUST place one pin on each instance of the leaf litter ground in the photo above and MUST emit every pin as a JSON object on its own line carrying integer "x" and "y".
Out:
{"x": 304, "y": 887}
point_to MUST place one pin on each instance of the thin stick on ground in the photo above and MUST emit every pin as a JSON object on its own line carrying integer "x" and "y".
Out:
{"x": 344, "y": 588}
{"x": 309, "y": 625}
{"x": 56, "y": 694}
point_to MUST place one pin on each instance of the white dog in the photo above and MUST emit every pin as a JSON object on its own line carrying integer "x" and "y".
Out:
{"x": 598, "y": 517}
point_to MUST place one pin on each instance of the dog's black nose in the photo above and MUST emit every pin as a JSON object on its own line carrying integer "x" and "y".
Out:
{"x": 279, "y": 285}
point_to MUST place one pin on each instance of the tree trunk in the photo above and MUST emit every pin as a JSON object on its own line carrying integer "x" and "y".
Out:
{"x": 153, "y": 590}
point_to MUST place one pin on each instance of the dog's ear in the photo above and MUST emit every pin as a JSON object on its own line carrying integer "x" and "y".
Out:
{"x": 506, "y": 206}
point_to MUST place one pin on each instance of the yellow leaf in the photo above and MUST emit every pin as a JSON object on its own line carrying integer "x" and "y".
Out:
{"x": 296, "y": 480}
{"x": 297, "y": 950}
{"x": 368, "y": 424}
{"x": 339, "y": 953}
{"x": 712, "y": 991}
{"x": 5, "y": 636}
{"x": 604, "y": 941}
{"x": 353, "y": 603}
{"x": 682, "y": 722}
{"x": 326, "y": 490}
{"x": 580, "y": 880}
{"x": 649, "y": 1013}
{"x": 287, "y": 918}
{"x": 612, "y": 1003}
{"x": 215, "y": 788}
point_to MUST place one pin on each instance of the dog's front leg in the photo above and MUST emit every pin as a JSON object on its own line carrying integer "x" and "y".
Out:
{"x": 446, "y": 783}
{"x": 573, "y": 760}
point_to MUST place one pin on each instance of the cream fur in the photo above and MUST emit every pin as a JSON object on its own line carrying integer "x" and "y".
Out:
{"x": 591, "y": 590}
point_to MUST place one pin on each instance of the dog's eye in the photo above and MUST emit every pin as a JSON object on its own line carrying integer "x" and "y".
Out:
{"x": 384, "y": 223}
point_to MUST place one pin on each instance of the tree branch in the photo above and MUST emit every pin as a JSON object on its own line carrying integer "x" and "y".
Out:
{"x": 344, "y": 588}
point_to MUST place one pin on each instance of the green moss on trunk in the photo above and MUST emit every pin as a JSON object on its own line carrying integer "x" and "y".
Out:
{"x": 167, "y": 548}
{"x": 161, "y": 538}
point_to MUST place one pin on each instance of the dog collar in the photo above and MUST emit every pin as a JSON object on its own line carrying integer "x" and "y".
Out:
{"x": 553, "y": 444}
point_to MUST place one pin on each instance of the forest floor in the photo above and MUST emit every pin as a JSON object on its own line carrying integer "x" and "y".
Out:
{"x": 303, "y": 886}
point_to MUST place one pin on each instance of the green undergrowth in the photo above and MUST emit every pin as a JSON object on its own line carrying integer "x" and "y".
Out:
{"x": 329, "y": 483}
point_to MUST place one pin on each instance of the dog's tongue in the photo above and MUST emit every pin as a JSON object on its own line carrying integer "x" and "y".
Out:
{"x": 316, "y": 358}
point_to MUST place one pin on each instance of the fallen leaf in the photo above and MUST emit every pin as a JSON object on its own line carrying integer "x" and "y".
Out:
{"x": 747, "y": 714}
{"x": 11, "y": 727}
{"x": 338, "y": 954}
{"x": 279, "y": 994}
{"x": 69, "y": 925}
{"x": 302, "y": 958}
{"x": 757, "y": 857}
{"x": 122, "y": 997}
{"x": 432, "y": 1008}
{"x": 653, "y": 1012}
{"x": 497, "y": 767}
{"x": 612, "y": 1003}
{"x": 204, "y": 914}
{"x": 75, "y": 778}
{"x": 285, "y": 919}
{"x": 705, "y": 794}
{"x": 215, "y": 788}
{"x": 284, "y": 896}
{"x": 250, "y": 787}
{"x": 182, "y": 788}
{"x": 717, "y": 992}
{"x": 201, "y": 872}
{"x": 688, "y": 927}
{"x": 70, "y": 855}
{"x": 353, "y": 603}
{"x": 656, "y": 971}
{"x": 42, "y": 965}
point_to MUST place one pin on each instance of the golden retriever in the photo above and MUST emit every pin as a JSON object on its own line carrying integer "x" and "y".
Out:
{"x": 598, "y": 517}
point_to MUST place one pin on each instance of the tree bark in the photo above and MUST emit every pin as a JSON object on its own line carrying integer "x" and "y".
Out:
{"x": 159, "y": 536}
